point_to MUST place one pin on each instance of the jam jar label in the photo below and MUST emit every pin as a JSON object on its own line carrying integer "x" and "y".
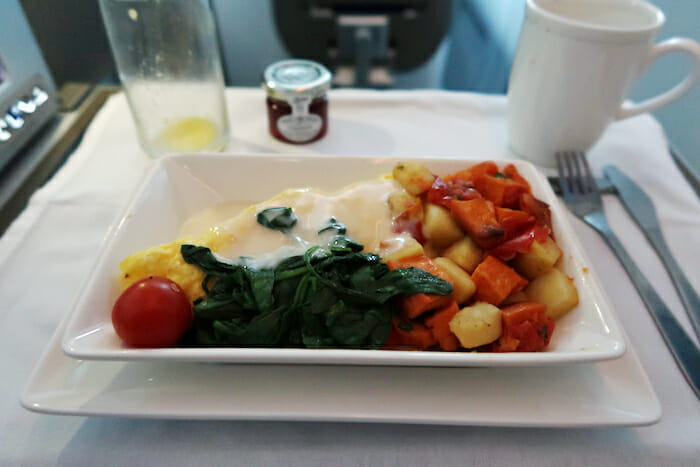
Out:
{"x": 300, "y": 125}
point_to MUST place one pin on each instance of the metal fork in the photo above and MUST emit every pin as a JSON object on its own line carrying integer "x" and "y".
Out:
{"x": 581, "y": 195}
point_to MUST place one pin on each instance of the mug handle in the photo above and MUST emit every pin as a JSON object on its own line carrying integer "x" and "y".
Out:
{"x": 675, "y": 44}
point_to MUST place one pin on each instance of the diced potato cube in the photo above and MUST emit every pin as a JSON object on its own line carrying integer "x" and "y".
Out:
{"x": 462, "y": 284}
{"x": 554, "y": 289}
{"x": 477, "y": 325}
{"x": 411, "y": 247}
{"x": 415, "y": 177}
{"x": 430, "y": 250}
{"x": 466, "y": 253}
{"x": 540, "y": 259}
{"x": 402, "y": 203}
{"x": 439, "y": 227}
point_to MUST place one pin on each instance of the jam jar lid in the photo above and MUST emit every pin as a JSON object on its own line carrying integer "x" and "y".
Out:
{"x": 288, "y": 78}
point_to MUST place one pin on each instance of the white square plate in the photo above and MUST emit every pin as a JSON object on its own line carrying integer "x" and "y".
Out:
{"x": 612, "y": 393}
{"x": 176, "y": 188}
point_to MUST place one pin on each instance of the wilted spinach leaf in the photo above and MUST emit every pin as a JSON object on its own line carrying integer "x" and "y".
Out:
{"x": 333, "y": 225}
{"x": 282, "y": 219}
{"x": 335, "y": 297}
{"x": 341, "y": 244}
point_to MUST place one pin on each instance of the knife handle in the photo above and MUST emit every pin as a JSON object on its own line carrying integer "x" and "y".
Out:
{"x": 683, "y": 349}
{"x": 686, "y": 292}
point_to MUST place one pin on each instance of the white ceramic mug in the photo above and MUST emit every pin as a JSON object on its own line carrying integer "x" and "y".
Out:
{"x": 575, "y": 64}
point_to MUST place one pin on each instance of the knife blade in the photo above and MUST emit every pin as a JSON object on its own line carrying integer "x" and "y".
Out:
{"x": 642, "y": 210}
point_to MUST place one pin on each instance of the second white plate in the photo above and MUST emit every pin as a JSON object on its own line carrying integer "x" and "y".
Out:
{"x": 178, "y": 187}
{"x": 614, "y": 393}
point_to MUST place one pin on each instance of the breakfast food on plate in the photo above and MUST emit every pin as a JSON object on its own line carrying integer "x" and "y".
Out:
{"x": 464, "y": 261}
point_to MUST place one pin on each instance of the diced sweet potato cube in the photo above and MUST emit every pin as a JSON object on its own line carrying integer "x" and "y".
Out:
{"x": 513, "y": 221}
{"x": 415, "y": 305}
{"x": 511, "y": 172}
{"x": 495, "y": 281}
{"x": 413, "y": 335}
{"x": 474, "y": 172}
{"x": 478, "y": 218}
{"x": 500, "y": 190}
{"x": 439, "y": 324}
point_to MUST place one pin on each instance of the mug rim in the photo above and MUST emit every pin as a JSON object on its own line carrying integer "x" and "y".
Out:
{"x": 598, "y": 30}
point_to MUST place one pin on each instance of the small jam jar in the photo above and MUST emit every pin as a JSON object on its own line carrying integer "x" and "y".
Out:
{"x": 297, "y": 101}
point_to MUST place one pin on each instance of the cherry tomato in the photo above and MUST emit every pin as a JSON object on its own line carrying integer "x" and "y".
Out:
{"x": 152, "y": 312}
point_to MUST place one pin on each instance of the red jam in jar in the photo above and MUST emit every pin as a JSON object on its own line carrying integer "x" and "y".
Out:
{"x": 297, "y": 101}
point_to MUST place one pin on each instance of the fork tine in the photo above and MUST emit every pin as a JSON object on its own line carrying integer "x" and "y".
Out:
{"x": 587, "y": 179}
{"x": 564, "y": 181}
{"x": 574, "y": 172}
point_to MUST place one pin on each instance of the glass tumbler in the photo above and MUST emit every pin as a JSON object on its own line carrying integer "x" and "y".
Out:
{"x": 168, "y": 62}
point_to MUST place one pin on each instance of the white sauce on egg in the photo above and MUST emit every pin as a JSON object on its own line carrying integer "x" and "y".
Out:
{"x": 362, "y": 208}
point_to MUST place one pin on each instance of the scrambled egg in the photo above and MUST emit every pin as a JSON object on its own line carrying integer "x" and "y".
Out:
{"x": 166, "y": 261}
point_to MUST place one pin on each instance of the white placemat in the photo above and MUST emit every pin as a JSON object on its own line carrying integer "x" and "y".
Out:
{"x": 48, "y": 250}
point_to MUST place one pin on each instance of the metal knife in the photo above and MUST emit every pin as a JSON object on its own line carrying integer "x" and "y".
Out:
{"x": 641, "y": 208}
